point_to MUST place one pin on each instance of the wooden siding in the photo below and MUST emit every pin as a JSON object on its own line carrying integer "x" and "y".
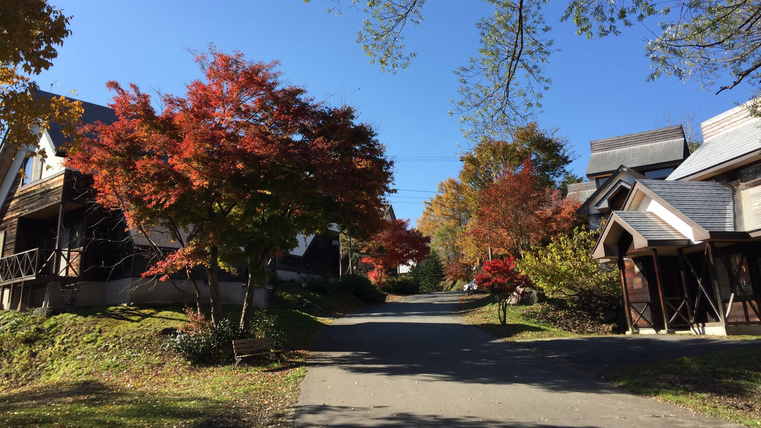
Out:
{"x": 25, "y": 200}
{"x": 637, "y": 284}
{"x": 724, "y": 121}
{"x": 672, "y": 133}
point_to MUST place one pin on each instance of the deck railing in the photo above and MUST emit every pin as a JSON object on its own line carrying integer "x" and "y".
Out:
{"x": 40, "y": 263}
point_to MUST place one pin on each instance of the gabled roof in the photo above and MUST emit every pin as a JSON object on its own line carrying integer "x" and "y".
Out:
{"x": 707, "y": 204}
{"x": 740, "y": 138}
{"x": 608, "y": 187}
{"x": 647, "y": 230}
{"x": 92, "y": 113}
{"x": 663, "y": 146}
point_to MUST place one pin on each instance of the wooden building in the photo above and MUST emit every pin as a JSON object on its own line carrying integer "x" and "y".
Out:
{"x": 689, "y": 248}
{"x": 615, "y": 163}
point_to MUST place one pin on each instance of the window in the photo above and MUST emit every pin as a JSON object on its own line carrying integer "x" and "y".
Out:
{"x": 750, "y": 173}
{"x": 27, "y": 170}
{"x": 32, "y": 169}
{"x": 658, "y": 174}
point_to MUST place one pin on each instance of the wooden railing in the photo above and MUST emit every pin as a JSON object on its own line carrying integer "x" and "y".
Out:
{"x": 40, "y": 263}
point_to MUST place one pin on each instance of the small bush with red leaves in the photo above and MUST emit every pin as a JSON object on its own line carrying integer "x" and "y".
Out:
{"x": 501, "y": 277}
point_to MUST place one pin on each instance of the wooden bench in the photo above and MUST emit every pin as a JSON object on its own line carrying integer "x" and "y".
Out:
{"x": 247, "y": 348}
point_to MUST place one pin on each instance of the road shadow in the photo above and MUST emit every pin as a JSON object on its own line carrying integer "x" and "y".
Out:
{"x": 404, "y": 419}
{"x": 597, "y": 354}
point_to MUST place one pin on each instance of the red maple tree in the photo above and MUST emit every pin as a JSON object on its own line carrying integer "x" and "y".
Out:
{"x": 501, "y": 278}
{"x": 396, "y": 244}
{"x": 558, "y": 219}
{"x": 234, "y": 169}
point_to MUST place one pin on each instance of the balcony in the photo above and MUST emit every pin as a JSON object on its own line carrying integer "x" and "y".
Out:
{"x": 40, "y": 264}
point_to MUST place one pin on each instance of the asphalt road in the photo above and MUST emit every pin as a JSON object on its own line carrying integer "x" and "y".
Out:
{"x": 414, "y": 363}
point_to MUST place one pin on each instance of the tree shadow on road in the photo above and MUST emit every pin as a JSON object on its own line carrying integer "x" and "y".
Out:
{"x": 404, "y": 419}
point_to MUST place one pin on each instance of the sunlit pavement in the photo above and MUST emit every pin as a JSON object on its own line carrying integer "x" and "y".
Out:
{"x": 414, "y": 363}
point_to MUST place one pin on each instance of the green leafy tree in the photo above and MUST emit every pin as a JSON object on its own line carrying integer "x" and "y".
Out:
{"x": 502, "y": 86}
{"x": 30, "y": 30}
{"x": 431, "y": 272}
{"x": 549, "y": 155}
{"x": 565, "y": 269}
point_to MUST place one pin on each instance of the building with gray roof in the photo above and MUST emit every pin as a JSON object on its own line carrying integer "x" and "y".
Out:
{"x": 689, "y": 247}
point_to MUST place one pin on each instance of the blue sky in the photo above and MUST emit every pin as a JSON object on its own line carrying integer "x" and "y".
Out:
{"x": 599, "y": 87}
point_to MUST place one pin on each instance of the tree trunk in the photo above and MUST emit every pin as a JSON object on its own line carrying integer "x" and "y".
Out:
{"x": 215, "y": 296}
{"x": 502, "y": 310}
{"x": 256, "y": 273}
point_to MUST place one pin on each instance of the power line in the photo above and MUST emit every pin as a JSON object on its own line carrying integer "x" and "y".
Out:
{"x": 426, "y": 159}
{"x": 417, "y": 191}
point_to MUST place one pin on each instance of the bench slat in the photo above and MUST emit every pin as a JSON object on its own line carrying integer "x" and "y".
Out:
{"x": 244, "y": 348}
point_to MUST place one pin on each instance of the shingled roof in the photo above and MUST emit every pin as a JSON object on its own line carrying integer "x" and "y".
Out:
{"x": 707, "y": 203}
{"x": 742, "y": 138}
{"x": 651, "y": 227}
{"x": 650, "y": 148}
{"x": 92, "y": 113}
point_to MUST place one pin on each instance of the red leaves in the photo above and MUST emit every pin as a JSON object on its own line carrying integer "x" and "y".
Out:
{"x": 507, "y": 219}
{"x": 501, "y": 277}
{"x": 395, "y": 245}
{"x": 239, "y": 161}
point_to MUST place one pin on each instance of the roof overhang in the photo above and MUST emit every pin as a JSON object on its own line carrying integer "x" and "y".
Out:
{"x": 608, "y": 188}
{"x": 606, "y": 248}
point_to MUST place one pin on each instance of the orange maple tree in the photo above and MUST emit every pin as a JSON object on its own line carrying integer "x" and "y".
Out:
{"x": 235, "y": 169}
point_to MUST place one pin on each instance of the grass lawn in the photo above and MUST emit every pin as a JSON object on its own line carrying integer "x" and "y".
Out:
{"x": 108, "y": 367}
{"x": 481, "y": 310}
{"x": 726, "y": 384}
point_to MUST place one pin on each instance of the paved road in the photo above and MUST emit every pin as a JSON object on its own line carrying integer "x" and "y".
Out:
{"x": 414, "y": 363}
{"x": 597, "y": 354}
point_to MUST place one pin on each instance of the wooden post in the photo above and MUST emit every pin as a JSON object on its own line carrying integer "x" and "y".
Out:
{"x": 20, "y": 298}
{"x": 659, "y": 282}
{"x": 683, "y": 273}
{"x": 715, "y": 280}
{"x": 59, "y": 230}
{"x": 627, "y": 309}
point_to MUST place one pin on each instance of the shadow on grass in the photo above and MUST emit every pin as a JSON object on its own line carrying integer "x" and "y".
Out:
{"x": 475, "y": 302}
{"x": 508, "y": 330}
{"x": 733, "y": 374}
{"x": 91, "y": 403}
{"x": 136, "y": 314}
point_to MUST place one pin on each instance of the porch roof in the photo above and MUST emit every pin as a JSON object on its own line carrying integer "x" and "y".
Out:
{"x": 707, "y": 204}
{"x": 647, "y": 230}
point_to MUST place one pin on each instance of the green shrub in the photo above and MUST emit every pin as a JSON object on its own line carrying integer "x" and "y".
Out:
{"x": 319, "y": 285}
{"x": 403, "y": 284}
{"x": 361, "y": 287}
{"x": 430, "y": 272}
{"x": 203, "y": 343}
{"x": 264, "y": 324}
{"x": 565, "y": 269}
